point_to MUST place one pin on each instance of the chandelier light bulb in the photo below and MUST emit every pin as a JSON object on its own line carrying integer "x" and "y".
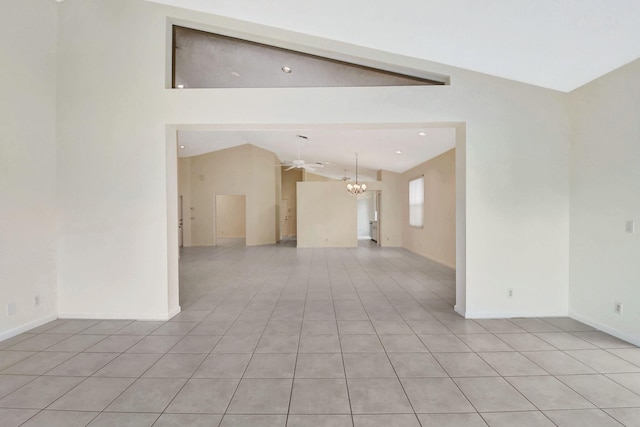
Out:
{"x": 356, "y": 188}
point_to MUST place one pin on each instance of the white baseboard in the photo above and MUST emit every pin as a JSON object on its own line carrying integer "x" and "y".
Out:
{"x": 113, "y": 316}
{"x": 174, "y": 312}
{"x": 508, "y": 315}
{"x": 27, "y": 327}
{"x": 459, "y": 310}
{"x": 604, "y": 328}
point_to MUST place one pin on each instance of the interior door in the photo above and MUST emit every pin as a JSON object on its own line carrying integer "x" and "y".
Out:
{"x": 377, "y": 206}
{"x": 284, "y": 218}
{"x": 180, "y": 225}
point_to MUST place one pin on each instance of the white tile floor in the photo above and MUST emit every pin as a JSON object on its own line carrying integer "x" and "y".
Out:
{"x": 278, "y": 336}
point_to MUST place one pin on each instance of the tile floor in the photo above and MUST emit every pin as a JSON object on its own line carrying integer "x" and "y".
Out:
{"x": 278, "y": 336}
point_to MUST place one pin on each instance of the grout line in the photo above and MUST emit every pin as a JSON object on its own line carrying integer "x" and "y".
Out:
{"x": 304, "y": 307}
{"x": 384, "y": 349}
{"x": 376, "y": 275}
{"x": 335, "y": 314}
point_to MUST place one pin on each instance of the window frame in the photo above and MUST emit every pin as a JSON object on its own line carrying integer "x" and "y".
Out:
{"x": 416, "y": 205}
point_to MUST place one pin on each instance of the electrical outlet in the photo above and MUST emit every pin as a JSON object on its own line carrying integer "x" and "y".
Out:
{"x": 617, "y": 308}
{"x": 11, "y": 309}
{"x": 36, "y": 300}
{"x": 510, "y": 292}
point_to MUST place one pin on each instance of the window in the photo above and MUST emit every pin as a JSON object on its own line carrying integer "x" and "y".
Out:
{"x": 416, "y": 202}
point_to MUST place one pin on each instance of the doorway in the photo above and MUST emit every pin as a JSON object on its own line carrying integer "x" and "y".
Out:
{"x": 367, "y": 222}
{"x": 390, "y": 224}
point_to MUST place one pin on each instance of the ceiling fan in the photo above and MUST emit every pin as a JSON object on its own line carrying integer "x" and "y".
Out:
{"x": 299, "y": 163}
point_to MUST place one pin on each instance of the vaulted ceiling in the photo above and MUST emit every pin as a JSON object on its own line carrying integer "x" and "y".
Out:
{"x": 556, "y": 44}
{"x": 396, "y": 149}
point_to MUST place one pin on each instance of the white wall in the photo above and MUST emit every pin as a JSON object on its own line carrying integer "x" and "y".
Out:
{"x": 27, "y": 163}
{"x": 113, "y": 226}
{"x": 114, "y": 243}
{"x": 605, "y": 193}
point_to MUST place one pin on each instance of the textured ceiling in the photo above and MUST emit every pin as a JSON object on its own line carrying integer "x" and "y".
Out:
{"x": 558, "y": 44}
{"x": 206, "y": 60}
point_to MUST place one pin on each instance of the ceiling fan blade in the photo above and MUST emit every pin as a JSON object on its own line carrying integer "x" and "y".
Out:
{"x": 317, "y": 165}
{"x": 288, "y": 169}
{"x": 309, "y": 168}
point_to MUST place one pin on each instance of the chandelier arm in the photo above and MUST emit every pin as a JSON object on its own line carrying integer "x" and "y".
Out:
{"x": 356, "y": 188}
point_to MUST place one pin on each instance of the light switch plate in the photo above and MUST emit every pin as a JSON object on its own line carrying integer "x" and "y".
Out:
{"x": 630, "y": 227}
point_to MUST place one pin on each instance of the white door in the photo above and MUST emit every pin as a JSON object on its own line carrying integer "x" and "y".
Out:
{"x": 180, "y": 224}
{"x": 284, "y": 218}
{"x": 376, "y": 214}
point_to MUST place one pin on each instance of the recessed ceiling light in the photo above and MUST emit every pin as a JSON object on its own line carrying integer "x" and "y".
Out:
{"x": 182, "y": 146}
{"x": 235, "y": 74}
{"x": 180, "y": 86}
{"x": 286, "y": 69}
{"x": 398, "y": 152}
{"x": 422, "y": 134}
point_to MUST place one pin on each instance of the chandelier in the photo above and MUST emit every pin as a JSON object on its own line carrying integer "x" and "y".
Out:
{"x": 356, "y": 188}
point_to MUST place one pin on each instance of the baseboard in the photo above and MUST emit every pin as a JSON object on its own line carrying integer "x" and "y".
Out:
{"x": 174, "y": 312}
{"x": 459, "y": 310}
{"x": 508, "y": 315}
{"x": 120, "y": 316}
{"x": 27, "y": 327}
{"x": 604, "y": 328}
{"x": 431, "y": 258}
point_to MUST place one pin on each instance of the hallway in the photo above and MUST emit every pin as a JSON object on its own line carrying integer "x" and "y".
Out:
{"x": 275, "y": 336}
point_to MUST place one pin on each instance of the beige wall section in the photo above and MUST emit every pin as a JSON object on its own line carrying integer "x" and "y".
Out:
{"x": 314, "y": 177}
{"x": 28, "y": 209}
{"x": 184, "y": 190}
{"x": 605, "y": 176}
{"x": 327, "y": 216}
{"x": 244, "y": 170}
{"x": 391, "y": 220}
{"x": 231, "y": 217}
{"x": 436, "y": 240}
{"x": 289, "y": 180}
